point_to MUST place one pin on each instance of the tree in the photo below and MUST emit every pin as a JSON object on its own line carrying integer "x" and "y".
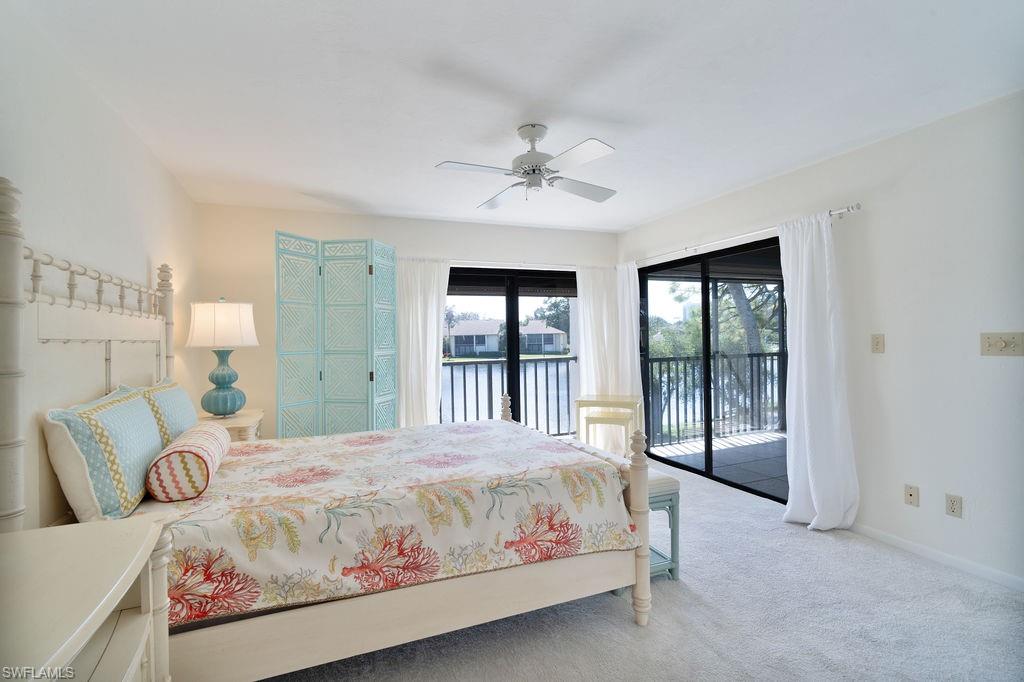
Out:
{"x": 555, "y": 312}
{"x": 449, "y": 317}
{"x": 680, "y": 339}
{"x": 745, "y": 314}
{"x": 745, "y": 319}
{"x": 449, "y": 321}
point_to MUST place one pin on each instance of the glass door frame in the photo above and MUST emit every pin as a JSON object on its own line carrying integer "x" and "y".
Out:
{"x": 509, "y": 281}
{"x": 705, "y": 299}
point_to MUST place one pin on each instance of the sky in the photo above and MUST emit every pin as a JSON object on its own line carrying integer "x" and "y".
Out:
{"x": 661, "y": 303}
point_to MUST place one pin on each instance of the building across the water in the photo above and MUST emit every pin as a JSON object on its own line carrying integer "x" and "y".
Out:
{"x": 480, "y": 338}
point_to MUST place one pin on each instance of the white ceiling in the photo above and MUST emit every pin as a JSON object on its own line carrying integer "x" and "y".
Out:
{"x": 349, "y": 105}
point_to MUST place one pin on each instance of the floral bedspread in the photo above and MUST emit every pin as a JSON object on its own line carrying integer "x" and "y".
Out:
{"x": 314, "y": 519}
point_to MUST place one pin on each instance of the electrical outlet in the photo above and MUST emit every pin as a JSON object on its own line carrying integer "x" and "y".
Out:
{"x": 911, "y": 495}
{"x": 878, "y": 343}
{"x": 955, "y": 506}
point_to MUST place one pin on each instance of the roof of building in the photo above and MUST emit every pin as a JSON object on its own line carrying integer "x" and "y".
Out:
{"x": 538, "y": 327}
{"x": 475, "y": 327}
{"x": 487, "y": 327}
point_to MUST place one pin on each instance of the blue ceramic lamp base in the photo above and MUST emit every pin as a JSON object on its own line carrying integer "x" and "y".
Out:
{"x": 223, "y": 400}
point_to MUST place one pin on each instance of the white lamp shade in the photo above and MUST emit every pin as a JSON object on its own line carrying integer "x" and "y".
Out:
{"x": 221, "y": 325}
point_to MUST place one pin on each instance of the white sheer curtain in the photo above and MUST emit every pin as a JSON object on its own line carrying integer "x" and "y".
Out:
{"x": 823, "y": 489}
{"x": 608, "y": 300}
{"x": 422, "y": 289}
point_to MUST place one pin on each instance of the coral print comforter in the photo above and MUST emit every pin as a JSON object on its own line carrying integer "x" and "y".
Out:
{"x": 313, "y": 519}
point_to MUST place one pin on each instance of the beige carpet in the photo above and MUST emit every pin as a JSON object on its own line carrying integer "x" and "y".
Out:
{"x": 758, "y": 599}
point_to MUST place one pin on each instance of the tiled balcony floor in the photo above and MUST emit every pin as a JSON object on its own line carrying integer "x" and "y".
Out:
{"x": 754, "y": 460}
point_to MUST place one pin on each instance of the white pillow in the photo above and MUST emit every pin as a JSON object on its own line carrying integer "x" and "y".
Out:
{"x": 101, "y": 452}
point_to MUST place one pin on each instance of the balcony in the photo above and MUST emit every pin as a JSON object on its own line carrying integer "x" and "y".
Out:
{"x": 748, "y": 417}
{"x": 471, "y": 389}
{"x": 748, "y": 408}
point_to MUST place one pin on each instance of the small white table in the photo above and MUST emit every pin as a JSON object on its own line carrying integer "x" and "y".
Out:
{"x": 242, "y": 425}
{"x": 616, "y": 402}
{"x": 92, "y": 596}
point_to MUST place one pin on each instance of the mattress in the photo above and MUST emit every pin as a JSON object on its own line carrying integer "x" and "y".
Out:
{"x": 306, "y": 520}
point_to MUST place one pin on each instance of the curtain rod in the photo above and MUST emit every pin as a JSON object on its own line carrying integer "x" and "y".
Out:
{"x": 678, "y": 253}
{"x": 505, "y": 265}
{"x": 835, "y": 212}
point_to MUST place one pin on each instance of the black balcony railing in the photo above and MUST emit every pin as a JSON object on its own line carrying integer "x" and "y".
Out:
{"x": 472, "y": 390}
{"x": 747, "y": 394}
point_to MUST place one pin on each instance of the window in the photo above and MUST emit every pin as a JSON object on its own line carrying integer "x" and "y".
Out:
{"x": 538, "y": 371}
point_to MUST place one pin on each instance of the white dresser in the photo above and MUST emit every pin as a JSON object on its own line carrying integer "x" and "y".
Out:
{"x": 91, "y": 597}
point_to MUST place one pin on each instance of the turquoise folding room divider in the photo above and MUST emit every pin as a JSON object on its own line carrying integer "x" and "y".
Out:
{"x": 337, "y": 366}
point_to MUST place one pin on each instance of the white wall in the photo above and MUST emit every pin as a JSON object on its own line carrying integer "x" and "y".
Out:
{"x": 236, "y": 254}
{"x": 91, "y": 191}
{"x": 934, "y": 259}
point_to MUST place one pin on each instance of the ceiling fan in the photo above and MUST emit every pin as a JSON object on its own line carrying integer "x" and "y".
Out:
{"x": 537, "y": 168}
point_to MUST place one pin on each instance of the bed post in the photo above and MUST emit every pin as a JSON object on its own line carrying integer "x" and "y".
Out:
{"x": 506, "y": 407}
{"x": 164, "y": 285}
{"x": 159, "y": 602}
{"x": 12, "y": 441}
{"x": 640, "y": 511}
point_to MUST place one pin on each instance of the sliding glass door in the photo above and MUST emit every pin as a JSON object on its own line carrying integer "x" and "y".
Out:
{"x": 747, "y": 379}
{"x": 510, "y": 331}
{"x": 713, "y": 349}
{"x": 675, "y": 369}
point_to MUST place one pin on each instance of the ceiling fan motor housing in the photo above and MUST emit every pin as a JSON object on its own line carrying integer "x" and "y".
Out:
{"x": 532, "y": 167}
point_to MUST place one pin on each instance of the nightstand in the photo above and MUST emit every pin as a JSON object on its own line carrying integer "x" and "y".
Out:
{"x": 89, "y": 596}
{"x": 242, "y": 425}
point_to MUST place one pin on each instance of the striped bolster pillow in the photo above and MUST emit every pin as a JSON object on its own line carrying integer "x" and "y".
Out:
{"x": 185, "y": 467}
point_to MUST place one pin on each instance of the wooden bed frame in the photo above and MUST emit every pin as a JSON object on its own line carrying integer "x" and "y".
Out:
{"x": 280, "y": 642}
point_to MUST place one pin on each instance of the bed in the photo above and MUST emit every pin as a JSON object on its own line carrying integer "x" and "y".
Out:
{"x": 309, "y": 520}
{"x": 306, "y": 551}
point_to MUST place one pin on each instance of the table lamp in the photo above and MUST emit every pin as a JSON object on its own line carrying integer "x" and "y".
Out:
{"x": 223, "y": 327}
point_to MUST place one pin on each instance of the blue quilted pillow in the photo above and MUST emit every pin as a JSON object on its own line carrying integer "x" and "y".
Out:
{"x": 172, "y": 409}
{"x": 101, "y": 452}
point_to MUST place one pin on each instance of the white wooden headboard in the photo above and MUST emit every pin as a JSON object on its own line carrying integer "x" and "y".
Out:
{"x": 63, "y": 344}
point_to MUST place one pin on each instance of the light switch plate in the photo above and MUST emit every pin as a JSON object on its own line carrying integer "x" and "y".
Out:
{"x": 1002, "y": 343}
{"x": 878, "y": 343}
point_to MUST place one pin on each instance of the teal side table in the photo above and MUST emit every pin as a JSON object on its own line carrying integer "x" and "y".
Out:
{"x": 669, "y": 503}
{"x": 663, "y": 496}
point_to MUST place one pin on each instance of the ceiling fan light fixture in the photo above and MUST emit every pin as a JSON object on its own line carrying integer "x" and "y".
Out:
{"x": 533, "y": 168}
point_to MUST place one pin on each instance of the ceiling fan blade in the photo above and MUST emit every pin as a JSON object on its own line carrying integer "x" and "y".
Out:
{"x": 501, "y": 197}
{"x": 475, "y": 167}
{"x": 581, "y": 189}
{"x": 584, "y": 152}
